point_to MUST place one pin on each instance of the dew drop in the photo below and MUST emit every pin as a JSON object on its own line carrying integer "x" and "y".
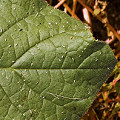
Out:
{"x": 36, "y": 14}
{"x": 79, "y": 55}
{"x": 84, "y": 48}
{"x": 37, "y": 83}
{"x": 86, "y": 27}
{"x": 62, "y": 57}
{"x": 100, "y": 53}
{"x": 74, "y": 81}
{"x": 27, "y": 12}
{"x": 51, "y": 11}
{"x": 65, "y": 52}
{"x": 73, "y": 59}
{"x": 56, "y": 23}
{"x": 63, "y": 26}
{"x": 88, "y": 92}
{"x": 67, "y": 21}
{"x": 19, "y": 24}
{"x": 16, "y": 45}
{"x": 14, "y": 8}
{"x": 5, "y": 39}
{"x": 59, "y": 59}
{"x": 34, "y": 110}
{"x": 20, "y": 29}
{"x": 96, "y": 60}
{"x": 30, "y": 91}
{"x": 13, "y": 61}
{"x": 30, "y": 111}
{"x": 1, "y": 30}
{"x": 19, "y": 106}
{"x": 9, "y": 46}
{"x": 32, "y": 64}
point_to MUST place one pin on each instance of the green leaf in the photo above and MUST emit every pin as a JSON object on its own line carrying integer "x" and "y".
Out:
{"x": 51, "y": 68}
{"x": 117, "y": 87}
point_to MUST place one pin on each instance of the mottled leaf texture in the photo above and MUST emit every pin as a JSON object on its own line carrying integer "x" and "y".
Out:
{"x": 51, "y": 68}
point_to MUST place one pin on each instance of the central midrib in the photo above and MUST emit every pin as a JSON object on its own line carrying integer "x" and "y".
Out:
{"x": 10, "y": 68}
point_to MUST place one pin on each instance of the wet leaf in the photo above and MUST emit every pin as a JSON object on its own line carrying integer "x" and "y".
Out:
{"x": 51, "y": 68}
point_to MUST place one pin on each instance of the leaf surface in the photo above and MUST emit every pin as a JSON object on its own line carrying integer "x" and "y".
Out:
{"x": 51, "y": 68}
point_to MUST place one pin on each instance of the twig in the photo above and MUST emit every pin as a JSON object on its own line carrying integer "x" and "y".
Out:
{"x": 84, "y": 5}
{"x": 86, "y": 16}
{"x": 117, "y": 55}
{"x": 99, "y": 18}
{"x": 70, "y": 11}
{"x": 49, "y": 1}
{"x": 59, "y": 4}
{"x": 74, "y": 7}
{"x": 109, "y": 41}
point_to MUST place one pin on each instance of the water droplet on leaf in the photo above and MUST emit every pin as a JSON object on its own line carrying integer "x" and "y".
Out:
{"x": 1, "y": 30}
{"x": 96, "y": 60}
{"x": 59, "y": 59}
{"x": 9, "y": 46}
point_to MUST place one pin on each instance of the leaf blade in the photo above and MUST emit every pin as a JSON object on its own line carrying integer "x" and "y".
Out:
{"x": 50, "y": 65}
